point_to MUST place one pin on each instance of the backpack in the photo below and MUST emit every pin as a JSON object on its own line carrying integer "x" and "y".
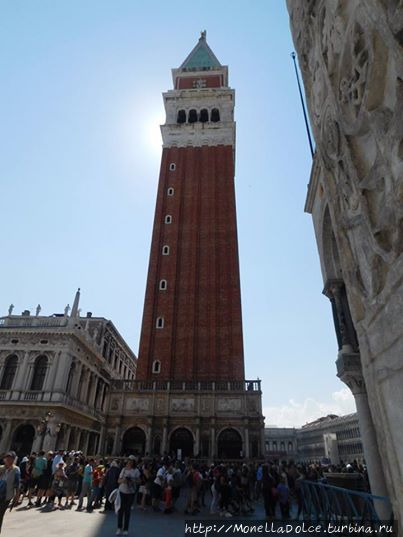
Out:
{"x": 3, "y": 489}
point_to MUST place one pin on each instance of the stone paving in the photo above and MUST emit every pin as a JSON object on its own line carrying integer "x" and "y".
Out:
{"x": 42, "y": 522}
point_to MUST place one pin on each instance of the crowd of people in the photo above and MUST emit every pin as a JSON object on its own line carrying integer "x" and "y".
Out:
{"x": 66, "y": 480}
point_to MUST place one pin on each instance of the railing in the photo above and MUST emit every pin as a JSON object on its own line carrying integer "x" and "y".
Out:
{"x": 326, "y": 503}
{"x": 32, "y": 396}
{"x": 182, "y": 386}
{"x": 28, "y": 322}
{"x": 3, "y": 395}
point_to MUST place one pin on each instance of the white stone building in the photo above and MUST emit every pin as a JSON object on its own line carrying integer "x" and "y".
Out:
{"x": 337, "y": 438}
{"x": 55, "y": 377}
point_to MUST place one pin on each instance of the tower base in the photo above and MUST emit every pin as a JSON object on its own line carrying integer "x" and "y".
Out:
{"x": 207, "y": 420}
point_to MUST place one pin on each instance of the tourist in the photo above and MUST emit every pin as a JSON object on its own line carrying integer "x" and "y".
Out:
{"x": 157, "y": 488}
{"x": 86, "y": 488}
{"x": 37, "y": 474}
{"x": 128, "y": 479}
{"x": 59, "y": 483}
{"x": 72, "y": 474}
{"x": 145, "y": 485}
{"x": 110, "y": 483}
{"x": 9, "y": 483}
{"x": 284, "y": 498}
{"x": 269, "y": 491}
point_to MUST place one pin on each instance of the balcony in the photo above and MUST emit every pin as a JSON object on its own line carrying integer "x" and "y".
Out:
{"x": 185, "y": 386}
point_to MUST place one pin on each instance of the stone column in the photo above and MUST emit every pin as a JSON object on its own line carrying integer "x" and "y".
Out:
{"x": 164, "y": 437}
{"x": 67, "y": 434}
{"x": 213, "y": 450}
{"x": 5, "y": 442}
{"x": 148, "y": 439}
{"x": 52, "y": 371}
{"x": 101, "y": 442}
{"x": 62, "y": 372}
{"x": 116, "y": 441}
{"x": 21, "y": 377}
{"x": 262, "y": 440}
{"x": 87, "y": 439}
{"x": 350, "y": 372}
{"x": 246, "y": 441}
{"x": 196, "y": 445}
{"x": 77, "y": 375}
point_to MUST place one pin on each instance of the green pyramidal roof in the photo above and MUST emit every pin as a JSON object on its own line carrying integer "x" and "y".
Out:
{"x": 201, "y": 58}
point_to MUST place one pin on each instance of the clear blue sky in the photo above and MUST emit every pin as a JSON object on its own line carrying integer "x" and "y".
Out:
{"x": 80, "y": 105}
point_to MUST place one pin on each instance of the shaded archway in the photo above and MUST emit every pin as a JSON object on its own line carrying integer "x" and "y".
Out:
{"x": 23, "y": 439}
{"x": 181, "y": 443}
{"x": 229, "y": 444}
{"x": 134, "y": 441}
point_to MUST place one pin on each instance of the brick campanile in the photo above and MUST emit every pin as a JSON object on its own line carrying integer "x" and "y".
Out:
{"x": 192, "y": 323}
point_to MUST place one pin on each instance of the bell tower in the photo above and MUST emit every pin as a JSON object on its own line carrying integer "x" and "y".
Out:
{"x": 192, "y": 323}
{"x": 190, "y": 396}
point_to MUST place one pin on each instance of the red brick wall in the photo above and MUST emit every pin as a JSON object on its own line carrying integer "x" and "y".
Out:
{"x": 202, "y": 336}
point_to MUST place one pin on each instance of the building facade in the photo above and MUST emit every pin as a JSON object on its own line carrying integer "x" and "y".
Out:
{"x": 335, "y": 438}
{"x": 55, "y": 379}
{"x": 191, "y": 396}
{"x": 350, "y": 55}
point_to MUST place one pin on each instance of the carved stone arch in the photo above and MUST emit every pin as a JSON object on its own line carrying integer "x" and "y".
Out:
{"x": 134, "y": 440}
{"x": 230, "y": 443}
{"x": 183, "y": 438}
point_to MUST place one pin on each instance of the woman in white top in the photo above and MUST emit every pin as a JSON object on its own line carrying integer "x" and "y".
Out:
{"x": 128, "y": 480}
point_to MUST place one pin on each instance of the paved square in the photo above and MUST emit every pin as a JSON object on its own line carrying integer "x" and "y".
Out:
{"x": 24, "y": 522}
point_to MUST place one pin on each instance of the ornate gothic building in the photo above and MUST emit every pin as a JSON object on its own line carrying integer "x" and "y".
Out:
{"x": 350, "y": 55}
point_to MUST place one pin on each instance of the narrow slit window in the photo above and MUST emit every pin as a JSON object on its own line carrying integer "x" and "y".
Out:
{"x": 156, "y": 366}
{"x": 168, "y": 219}
{"x": 163, "y": 285}
{"x": 172, "y": 167}
{"x": 192, "y": 116}
{"x": 170, "y": 191}
{"x": 160, "y": 322}
{"x": 165, "y": 250}
{"x": 215, "y": 115}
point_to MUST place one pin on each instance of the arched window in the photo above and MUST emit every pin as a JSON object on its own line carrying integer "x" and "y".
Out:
{"x": 172, "y": 167}
{"x": 170, "y": 191}
{"x": 10, "y": 369}
{"x": 165, "y": 250}
{"x": 203, "y": 115}
{"x": 160, "y": 322}
{"x": 40, "y": 368}
{"x": 163, "y": 285}
{"x": 192, "y": 116}
{"x": 156, "y": 366}
{"x": 181, "y": 116}
{"x": 215, "y": 115}
{"x": 168, "y": 219}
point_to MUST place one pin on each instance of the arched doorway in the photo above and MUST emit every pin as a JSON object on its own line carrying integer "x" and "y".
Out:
{"x": 23, "y": 438}
{"x": 134, "y": 442}
{"x": 181, "y": 439}
{"x": 229, "y": 444}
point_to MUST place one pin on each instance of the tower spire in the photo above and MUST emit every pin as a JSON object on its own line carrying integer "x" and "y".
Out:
{"x": 74, "y": 309}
